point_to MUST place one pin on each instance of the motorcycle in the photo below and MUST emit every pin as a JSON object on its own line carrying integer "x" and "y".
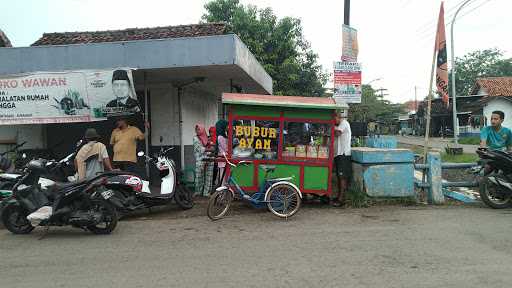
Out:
{"x": 86, "y": 204}
{"x": 6, "y": 165}
{"x": 136, "y": 194}
{"x": 495, "y": 178}
{"x": 57, "y": 171}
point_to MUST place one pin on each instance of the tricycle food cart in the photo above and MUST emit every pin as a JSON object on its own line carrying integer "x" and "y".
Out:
{"x": 293, "y": 134}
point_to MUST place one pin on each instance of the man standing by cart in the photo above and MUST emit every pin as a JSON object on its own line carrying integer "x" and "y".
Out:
{"x": 342, "y": 160}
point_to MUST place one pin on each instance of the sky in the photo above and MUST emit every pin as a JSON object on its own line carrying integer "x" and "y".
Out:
{"x": 396, "y": 37}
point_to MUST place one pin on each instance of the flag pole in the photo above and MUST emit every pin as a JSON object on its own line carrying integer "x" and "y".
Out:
{"x": 429, "y": 106}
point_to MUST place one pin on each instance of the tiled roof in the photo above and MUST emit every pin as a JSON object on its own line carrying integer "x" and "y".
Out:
{"x": 194, "y": 30}
{"x": 4, "y": 41}
{"x": 494, "y": 86}
{"x": 285, "y": 101}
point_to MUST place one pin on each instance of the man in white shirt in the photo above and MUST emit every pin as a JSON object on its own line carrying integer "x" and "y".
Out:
{"x": 342, "y": 160}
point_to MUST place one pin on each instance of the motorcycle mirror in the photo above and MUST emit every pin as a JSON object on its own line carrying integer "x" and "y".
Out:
{"x": 161, "y": 139}
{"x": 140, "y": 153}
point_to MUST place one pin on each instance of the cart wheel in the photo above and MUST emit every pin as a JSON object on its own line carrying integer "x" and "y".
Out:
{"x": 219, "y": 203}
{"x": 283, "y": 200}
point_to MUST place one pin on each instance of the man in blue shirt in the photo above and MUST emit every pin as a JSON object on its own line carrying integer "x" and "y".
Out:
{"x": 496, "y": 137}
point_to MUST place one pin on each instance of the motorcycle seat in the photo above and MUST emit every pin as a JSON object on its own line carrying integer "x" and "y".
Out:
{"x": 60, "y": 186}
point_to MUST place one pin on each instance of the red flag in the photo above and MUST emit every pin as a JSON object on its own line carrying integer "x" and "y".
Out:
{"x": 442, "y": 66}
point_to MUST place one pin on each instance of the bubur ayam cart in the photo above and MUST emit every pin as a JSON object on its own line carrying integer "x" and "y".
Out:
{"x": 292, "y": 133}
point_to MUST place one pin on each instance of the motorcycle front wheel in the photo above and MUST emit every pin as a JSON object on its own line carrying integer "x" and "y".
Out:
{"x": 15, "y": 220}
{"x": 109, "y": 217}
{"x": 184, "y": 197}
{"x": 493, "y": 195}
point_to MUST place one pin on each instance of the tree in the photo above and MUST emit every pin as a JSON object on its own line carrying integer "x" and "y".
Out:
{"x": 373, "y": 108}
{"x": 481, "y": 63}
{"x": 278, "y": 44}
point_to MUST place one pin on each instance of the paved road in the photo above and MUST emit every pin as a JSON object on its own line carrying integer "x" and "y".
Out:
{"x": 320, "y": 247}
{"x": 436, "y": 143}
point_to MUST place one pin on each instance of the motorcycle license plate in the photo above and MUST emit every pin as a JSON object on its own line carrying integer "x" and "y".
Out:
{"x": 107, "y": 194}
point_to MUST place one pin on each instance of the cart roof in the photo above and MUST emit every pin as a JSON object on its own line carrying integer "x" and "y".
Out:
{"x": 282, "y": 101}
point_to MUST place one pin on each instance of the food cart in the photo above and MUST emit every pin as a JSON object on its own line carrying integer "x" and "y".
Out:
{"x": 294, "y": 134}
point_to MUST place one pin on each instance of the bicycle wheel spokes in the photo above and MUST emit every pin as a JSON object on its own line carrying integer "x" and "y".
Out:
{"x": 283, "y": 200}
{"x": 219, "y": 204}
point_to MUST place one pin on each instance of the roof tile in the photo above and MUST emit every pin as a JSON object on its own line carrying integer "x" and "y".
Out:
{"x": 131, "y": 34}
{"x": 494, "y": 86}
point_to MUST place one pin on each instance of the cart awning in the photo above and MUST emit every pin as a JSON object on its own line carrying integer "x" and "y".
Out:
{"x": 282, "y": 101}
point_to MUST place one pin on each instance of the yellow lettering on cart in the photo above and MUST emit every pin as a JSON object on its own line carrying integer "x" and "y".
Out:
{"x": 256, "y": 132}
{"x": 258, "y": 144}
{"x": 239, "y": 130}
{"x": 264, "y": 132}
{"x": 250, "y": 141}
{"x": 272, "y": 133}
{"x": 247, "y": 131}
{"x": 242, "y": 143}
{"x": 266, "y": 144}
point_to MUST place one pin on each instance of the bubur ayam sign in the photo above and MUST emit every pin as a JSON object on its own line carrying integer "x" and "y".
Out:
{"x": 63, "y": 97}
{"x": 255, "y": 137}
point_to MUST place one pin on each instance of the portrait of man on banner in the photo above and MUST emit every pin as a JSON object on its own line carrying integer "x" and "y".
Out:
{"x": 124, "y": 101}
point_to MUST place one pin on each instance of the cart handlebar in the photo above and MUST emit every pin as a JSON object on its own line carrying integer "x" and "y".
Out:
{"x": 225, "y": 158}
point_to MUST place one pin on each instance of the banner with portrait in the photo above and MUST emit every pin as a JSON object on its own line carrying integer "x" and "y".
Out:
{"x": 65, "y": 97}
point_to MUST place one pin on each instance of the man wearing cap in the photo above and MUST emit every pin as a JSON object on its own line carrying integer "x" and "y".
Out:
{"x": 124, "y": 140}
{"x": 92, "y": 158}
{"x": 122, "y": 90}
{"x": 342, "y": 161}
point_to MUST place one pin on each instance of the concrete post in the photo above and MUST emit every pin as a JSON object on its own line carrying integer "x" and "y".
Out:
{"x": 434, "y": 178}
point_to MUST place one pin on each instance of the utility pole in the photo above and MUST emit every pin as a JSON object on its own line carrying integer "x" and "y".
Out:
{"x": 454, "y": 91}
{"x": 347, "y": 13}
{"x": 415, "y": 109}
{"x": 416, "y": 99}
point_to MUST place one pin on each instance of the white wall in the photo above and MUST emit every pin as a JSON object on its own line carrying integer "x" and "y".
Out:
{"x": 164, "y": 116}
{"x": 499, "y": 104}
{"x": 198, "y": 107}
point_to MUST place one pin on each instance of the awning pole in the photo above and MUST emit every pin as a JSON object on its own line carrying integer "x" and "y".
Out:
{"x": 146, "y": 120}
{"x": 180, "y": 115}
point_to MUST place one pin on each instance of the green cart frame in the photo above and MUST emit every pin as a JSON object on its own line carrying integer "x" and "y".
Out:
{"x": 291, "y": 133}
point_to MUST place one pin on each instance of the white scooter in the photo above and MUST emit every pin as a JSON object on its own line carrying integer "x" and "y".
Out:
{"x": 136, "y": 195}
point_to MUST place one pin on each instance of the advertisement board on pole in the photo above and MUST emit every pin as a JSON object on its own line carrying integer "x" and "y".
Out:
{"x": 350, "y": 47}
{"x": 347, "y": 82}
{"x": 65, "y": 97}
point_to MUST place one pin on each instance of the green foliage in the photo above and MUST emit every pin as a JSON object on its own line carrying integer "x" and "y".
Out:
{"x": 470, "y": 140}
{"x": 482, "y": 63}
{"x": 374, "y": 108}
{"x": 356, "y": 197}
{"x": 278, "y": 44}
{"x": 463, "y": 158}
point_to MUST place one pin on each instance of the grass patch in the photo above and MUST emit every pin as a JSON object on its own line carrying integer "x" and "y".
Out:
{"x": 463, "y": 158}
{"x": 356, "y": 197}
{"x": 469, "y": 141}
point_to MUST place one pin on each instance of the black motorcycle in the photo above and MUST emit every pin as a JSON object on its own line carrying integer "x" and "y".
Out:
{"x": 495, "y": 178}
{"x": 84, "y": 204}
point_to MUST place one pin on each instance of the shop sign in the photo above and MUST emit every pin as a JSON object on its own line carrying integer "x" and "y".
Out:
{"x": 255, "y": 137}
{"x": 347, "y": 82}
{"x": 64, "y": 97}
